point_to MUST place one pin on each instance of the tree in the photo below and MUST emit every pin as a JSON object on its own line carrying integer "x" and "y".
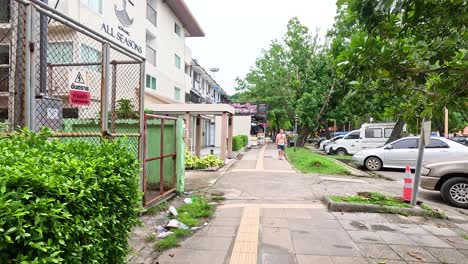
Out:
{"x": 295, "y": 77}
{"x": 408, "y": 56}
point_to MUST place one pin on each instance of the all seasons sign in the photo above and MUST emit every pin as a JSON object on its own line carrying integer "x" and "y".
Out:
{"x": 119, "y": 33}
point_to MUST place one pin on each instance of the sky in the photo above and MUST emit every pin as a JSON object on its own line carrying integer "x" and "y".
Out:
{"x": 237, "y": 31}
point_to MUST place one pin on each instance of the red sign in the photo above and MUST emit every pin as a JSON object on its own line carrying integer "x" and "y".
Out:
{"x": 79, "y": 90}
{"x": 78, "y": 97}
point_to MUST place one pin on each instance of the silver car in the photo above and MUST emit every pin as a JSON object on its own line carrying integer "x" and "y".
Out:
{"x": 404, "y": 152}
{"x": 448, "y": 177}
{"x": 325, "y": 143}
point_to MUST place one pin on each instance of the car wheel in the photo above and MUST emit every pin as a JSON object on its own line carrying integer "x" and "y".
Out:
{"x": 373, "y": 164}
{"x": 455, "y": 192}
{"x": 341, "y": 152}
{"x": 317, "y": 146}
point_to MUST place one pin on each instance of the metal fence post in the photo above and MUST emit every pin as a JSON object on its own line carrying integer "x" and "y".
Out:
{"x": 29, "y": 70}
{"x": 142, "y": 150}
{"x": 105, "y": 88}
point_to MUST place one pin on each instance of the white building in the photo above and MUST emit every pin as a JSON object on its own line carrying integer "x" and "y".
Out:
{"x": 156, "y": 29}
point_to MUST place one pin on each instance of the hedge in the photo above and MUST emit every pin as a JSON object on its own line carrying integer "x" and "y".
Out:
{"x": 66, "y": 202}
{"x": 238, "y": 142}
{"x": 245, "y": 140}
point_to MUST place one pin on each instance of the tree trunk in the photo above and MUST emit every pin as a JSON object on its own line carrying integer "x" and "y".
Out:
{"x": 302, "y": 137}
{"x": 397, "y": 130}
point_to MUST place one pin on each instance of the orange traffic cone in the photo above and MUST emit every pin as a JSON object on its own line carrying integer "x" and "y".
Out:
{"x": 408, "y": 185}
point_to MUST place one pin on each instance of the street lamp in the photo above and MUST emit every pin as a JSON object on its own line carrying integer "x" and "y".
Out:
{"x": 214, "y": 70}
{"x": 296, "y": 118}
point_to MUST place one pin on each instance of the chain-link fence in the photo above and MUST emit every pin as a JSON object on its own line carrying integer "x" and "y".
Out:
{"x": 59, "y": 74}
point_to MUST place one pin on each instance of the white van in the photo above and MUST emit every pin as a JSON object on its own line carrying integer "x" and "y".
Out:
{"x": 370, "y": 136}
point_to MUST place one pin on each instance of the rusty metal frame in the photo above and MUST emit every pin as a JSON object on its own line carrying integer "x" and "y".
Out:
{"x": 161, "y": 157}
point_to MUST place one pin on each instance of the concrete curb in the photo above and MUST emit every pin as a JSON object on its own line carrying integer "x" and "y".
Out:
{"x": 373, "y": 208}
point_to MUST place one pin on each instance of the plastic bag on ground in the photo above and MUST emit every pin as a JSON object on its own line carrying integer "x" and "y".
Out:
{"x": 174, "y": 223}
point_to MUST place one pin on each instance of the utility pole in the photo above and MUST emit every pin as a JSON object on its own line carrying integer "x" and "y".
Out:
{"x": 424, "y": 140}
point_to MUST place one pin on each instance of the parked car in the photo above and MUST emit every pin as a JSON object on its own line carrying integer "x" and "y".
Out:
{"x": 448, "y": 177}
{"x": 370, "y": 136}
{"x": 324, "y": 143}
{"x": 345, "y": 145}
{"x": 404, "y": 152}
{"x": 461, "y": 139}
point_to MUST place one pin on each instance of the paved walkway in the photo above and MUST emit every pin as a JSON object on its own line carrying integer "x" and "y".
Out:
{"x": 272, "y": 215}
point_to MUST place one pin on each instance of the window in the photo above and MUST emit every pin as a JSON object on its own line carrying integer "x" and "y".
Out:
{"x": 90, "y": 55}
{"x": 60, "y": 52}
{"x": 410, "y": 143}
{"x": 4, "y": 54}
{"x": 187, "y": 70}
{"x": 95, "y": 5}
{"x": 388, "y": 132}
{"x": 70, "y": 112}
{"x": 177, "y": 93}
{"x": 373, "y": 133}
{"x": 151, "y": 14}
{"x": 150, "y": 82}
{"x": 5, "y": 12}
{"x": 177, "y": 29}
{"x": 353, "y": 136}
{"x": 177, "y": 61}
{"x": 436, "y": 143}
{"x": 151, "y": 55}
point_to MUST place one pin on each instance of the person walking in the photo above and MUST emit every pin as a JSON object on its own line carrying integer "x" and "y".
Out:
{"x": 281, "y": 143}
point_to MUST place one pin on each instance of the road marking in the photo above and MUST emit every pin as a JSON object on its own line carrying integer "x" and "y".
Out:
{"x": 261, "y": 154}
{"x": 317, "y": 205}
{"x": 245, "y": 248}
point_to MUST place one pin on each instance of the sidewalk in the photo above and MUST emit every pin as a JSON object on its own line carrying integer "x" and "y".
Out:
{"x": 272, "y": 215}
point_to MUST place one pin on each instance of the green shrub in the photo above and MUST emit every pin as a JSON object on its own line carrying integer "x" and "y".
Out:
{"x": 194, "y": 162}
{"x": 66, "y": 202}
{"x": 245, "y": 140}
{"x": 3, "y": 126}
{"x": 237, "y": 143}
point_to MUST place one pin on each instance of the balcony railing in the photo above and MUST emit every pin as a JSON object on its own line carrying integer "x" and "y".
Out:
{"x": 151, "y": 14}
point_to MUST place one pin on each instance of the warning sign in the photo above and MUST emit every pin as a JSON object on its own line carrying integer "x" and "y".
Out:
{"x": 79, "y": 88}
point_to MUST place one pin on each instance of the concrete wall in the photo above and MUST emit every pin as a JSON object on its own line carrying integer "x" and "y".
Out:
{"x": 241, "y": 127}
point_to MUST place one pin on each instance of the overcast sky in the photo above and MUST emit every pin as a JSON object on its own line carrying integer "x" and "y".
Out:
{"x": 237, "y": 30}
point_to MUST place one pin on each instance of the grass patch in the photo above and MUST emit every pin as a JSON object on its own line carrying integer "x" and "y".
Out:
{"x": 160, "y": 207}
{"x": 308, "y": 162}
{"x": 370, "y": 198}
{"x": 188, "y": 219}
{"x": 217, "y": 198}
{"x": 167, "y": 243}
{"x": 465, "y": 236}
{"x": 199, "y": 208}
{"x": 150, "y": 238}
{"x": 426, "y": 207}
{"x": 191, "y": 215}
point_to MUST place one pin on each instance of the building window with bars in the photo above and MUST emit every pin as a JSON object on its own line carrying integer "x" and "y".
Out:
{"x": 177, "y": 61}
{"x": 59, "y": 52}
{"x": 5, "y": 12}
{"x": 95, "y": 5}
{"x": 150, "y": 82}
{"x": 151, "y": 14}
{"x": 151, "y": 55}
{"x": 177, "y": 93}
